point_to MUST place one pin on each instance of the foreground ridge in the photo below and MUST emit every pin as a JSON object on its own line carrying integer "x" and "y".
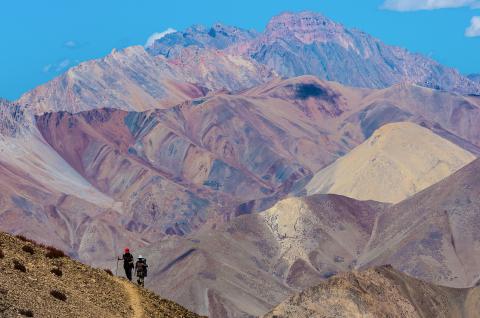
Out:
{"x": 38, "y": 281}
{"x": 379, "y": 292}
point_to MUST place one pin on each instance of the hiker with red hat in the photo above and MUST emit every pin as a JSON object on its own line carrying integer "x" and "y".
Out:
{"x": 127, "y": 263}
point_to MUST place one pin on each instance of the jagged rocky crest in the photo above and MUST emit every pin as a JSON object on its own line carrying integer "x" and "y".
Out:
{"x": 218, "y": 36}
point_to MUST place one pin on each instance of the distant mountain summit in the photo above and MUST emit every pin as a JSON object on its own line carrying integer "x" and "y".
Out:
{"x": 309, "y": 43}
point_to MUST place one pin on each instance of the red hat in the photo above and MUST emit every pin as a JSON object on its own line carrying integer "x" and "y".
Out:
{"x": 126, "y": 250}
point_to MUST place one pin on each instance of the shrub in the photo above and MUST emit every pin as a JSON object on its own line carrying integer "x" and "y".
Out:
{"x": 19, "y": 266}
{"x": 26, "y": 312}
{"x": 53, "y": 252}
{"x": 57, "y": 271}
{"x": 25, "y": 239}
{"x": 109, "y": 272}
{"x": 1, "y": 254}
{"x": 21, "y": 237}
{"x": 28, "y": 249}
{"x": 58, "y": 295}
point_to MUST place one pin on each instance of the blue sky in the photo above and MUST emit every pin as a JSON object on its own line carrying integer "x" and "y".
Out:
{"x": 41, "y": 39}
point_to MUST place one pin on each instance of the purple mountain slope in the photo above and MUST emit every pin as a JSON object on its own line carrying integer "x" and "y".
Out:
{"x": 132, "y": 79}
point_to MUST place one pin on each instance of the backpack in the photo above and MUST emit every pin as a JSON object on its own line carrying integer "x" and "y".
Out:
{"x": 142, "y": 267}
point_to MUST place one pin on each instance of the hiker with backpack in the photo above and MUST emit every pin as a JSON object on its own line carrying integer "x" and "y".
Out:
{"x": 127, "y": 263}
{"x": 141, "y": 270}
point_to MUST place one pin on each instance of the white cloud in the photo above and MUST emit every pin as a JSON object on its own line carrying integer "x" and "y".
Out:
{"x": 70, "y": 44}
{"x": 474, "y": 29}
{"x": 63, "y": 65}
{"x": 158, "y": 35}
{"x": 57, "y": 67}
{"x": 414, "y": 5}
{"x": 47, "y": 68}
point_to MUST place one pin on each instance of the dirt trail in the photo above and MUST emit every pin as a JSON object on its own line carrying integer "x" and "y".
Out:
{"x": 133, "y": 298}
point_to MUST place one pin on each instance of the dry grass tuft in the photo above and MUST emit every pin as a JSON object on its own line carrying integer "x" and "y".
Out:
{"x": 53, "y": 252}
{"x": 25, "y": 239}
{"x": 58, "y": 295}
{"x": 28, "y": 249}
{"x": 26, "y": 312}
{"x": 57, "y": 271}
{"x": 19, "y": 266}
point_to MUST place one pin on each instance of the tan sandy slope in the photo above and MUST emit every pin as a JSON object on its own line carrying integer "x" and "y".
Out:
{"x": 397, "y": 161}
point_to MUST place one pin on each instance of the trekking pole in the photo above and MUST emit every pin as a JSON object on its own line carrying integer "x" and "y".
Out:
{"x": 116, "y": 269}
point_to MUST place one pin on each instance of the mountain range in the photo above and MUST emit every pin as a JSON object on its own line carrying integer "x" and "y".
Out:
{"x": 184, "y": 65}
{"x": 299, "y": 242}
{"x": 236, "y": 161}
{"x": 307, "y": 43}
{"x": 168, "y": 171}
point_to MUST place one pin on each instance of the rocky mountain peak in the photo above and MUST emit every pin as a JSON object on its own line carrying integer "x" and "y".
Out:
{"x": 306, "y": 26}
{"x": 218, "y": 36}
{"x": 303, "y": 17}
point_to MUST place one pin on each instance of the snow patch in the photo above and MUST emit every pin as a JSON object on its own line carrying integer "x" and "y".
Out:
{"x": 157, "y": 36}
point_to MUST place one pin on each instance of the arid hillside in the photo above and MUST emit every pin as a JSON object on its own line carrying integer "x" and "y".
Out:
{"x": 40, "y": 282}
{"x": 379, "y": 292}
{"x": 247, "y": 266}
{"x": 433, "y": 235}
